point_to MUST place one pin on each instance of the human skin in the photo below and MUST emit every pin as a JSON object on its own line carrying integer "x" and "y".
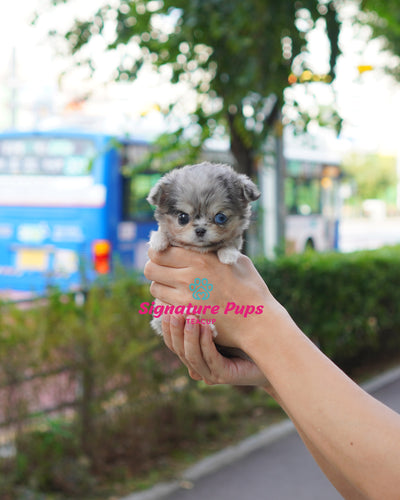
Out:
{"x": 354, "y": 438}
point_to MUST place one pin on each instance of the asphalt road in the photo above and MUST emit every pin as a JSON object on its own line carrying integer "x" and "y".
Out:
{"x": 283, "y": 470}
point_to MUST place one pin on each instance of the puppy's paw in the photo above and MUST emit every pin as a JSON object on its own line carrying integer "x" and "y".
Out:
{"x": 156, "y": 325}
{"x": 228, "y": 255}
{"x": 213, "y": 330}
{"x": 158, "y": 240}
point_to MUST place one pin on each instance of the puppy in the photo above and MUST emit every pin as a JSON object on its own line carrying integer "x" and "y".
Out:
{"x": 203, "y": 207}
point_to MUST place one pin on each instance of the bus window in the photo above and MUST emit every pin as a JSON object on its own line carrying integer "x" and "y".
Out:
{"x": 135, "y": 191}
{"x": 302, "y": 196}
{"x": 46, "y": 156}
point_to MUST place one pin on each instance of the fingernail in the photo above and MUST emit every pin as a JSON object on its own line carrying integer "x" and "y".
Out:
{"x": 189, "y": 325}
{"x": 174, "y": 320}
{"x": 204, "y": 329}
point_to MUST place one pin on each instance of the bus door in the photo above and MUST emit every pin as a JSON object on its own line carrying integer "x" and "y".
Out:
{"x": 138, "y": 217}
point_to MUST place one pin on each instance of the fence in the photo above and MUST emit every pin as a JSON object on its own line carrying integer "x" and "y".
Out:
{"x": 76, "y": 355}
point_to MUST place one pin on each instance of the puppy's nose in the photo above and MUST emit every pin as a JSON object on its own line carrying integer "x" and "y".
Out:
{"x": 200, "y": 231}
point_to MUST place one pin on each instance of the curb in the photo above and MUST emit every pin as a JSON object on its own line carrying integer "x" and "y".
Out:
{"x": 380, "y": 381}
{"x": 245, "y": 447}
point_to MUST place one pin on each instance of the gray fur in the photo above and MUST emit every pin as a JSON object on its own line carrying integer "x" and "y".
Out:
{"x": 202, "y": 191}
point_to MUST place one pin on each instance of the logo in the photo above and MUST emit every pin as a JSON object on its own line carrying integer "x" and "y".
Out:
{"x": 201, "y": 288}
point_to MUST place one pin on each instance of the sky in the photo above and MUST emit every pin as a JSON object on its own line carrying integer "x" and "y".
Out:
{"x": 369, "y": 103}
{"x": 42, "y": 92}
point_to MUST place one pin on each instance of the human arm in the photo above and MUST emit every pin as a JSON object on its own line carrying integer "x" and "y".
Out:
{"x": 352, "y": 434}
{"x": 355, "y": 439}
{"x": 194, "y": 344}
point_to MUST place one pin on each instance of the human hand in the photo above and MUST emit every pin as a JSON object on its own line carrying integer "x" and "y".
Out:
{"x": 194, "y": 345}
{"x": 175, "y": 269}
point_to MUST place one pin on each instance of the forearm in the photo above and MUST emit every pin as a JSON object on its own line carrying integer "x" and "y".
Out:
{"x": 335, "y": 476}
{"x": 358, "y": 437}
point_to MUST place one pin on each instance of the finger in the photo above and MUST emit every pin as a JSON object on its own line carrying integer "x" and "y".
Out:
{"x": 194, "y": 375}
{"x": 165, "y": 323}
{"x": 209, "y": 350}
{"x": 168, "y": 342}
{"x": 167, "y": 294}
{"x": 177, "y": 324}
{"x": 192, "y": 348}
{"x": 161, "y": 274}
{"x": 171, "y": 257}
{"x": 235, "y": 371}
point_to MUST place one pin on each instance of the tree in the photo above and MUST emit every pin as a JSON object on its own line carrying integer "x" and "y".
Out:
{"x": 383, "y": 18}
{"x": 236, "y": 57}
{"x": 374, "y": 175}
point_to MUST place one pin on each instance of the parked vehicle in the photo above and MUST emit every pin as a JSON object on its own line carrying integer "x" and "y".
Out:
{"x": 67, "y": 213}
{"x": 312, "y": 201}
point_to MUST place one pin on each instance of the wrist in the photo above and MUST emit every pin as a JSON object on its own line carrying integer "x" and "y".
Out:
{"x": 264, "y": 328}
{"x": 268, "y": 339}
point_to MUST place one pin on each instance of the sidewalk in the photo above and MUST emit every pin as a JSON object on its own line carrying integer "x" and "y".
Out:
{"x": 272, "y": 465}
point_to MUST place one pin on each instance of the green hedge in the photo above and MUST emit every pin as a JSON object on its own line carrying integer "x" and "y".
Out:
{"x": 94, "y": 358}
{"x": 348, "y": 304}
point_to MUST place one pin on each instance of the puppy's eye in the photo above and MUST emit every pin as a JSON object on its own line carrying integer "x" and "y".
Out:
{"x": 183, "y": 218}
{"x": 220, "y": 218}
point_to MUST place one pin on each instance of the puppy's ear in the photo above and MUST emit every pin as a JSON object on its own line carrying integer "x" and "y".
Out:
{"x": 250, "y": 190}
{"x": 158, "y": 192}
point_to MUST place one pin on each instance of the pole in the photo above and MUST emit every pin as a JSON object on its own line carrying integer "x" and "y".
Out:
{"x": 280, "y": 184}
{"x": 13, "y": 100}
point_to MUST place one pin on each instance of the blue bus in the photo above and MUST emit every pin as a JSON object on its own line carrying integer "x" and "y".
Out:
{"x": 67, "y": 211}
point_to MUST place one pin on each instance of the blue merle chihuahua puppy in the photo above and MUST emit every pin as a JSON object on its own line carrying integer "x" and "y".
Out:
{"x": 203, "y": 207}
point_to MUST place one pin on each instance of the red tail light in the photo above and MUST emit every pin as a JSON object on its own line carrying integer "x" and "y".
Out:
{"x": 102, "y": 256}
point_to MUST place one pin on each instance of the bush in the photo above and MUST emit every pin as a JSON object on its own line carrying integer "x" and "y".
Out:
{"x": 346, "y": 303}
{"x": 49, "y": 459}
{"x": 83, "y": 356}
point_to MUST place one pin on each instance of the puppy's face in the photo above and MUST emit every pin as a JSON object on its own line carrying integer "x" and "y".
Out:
{"x": 204, "y": 207}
